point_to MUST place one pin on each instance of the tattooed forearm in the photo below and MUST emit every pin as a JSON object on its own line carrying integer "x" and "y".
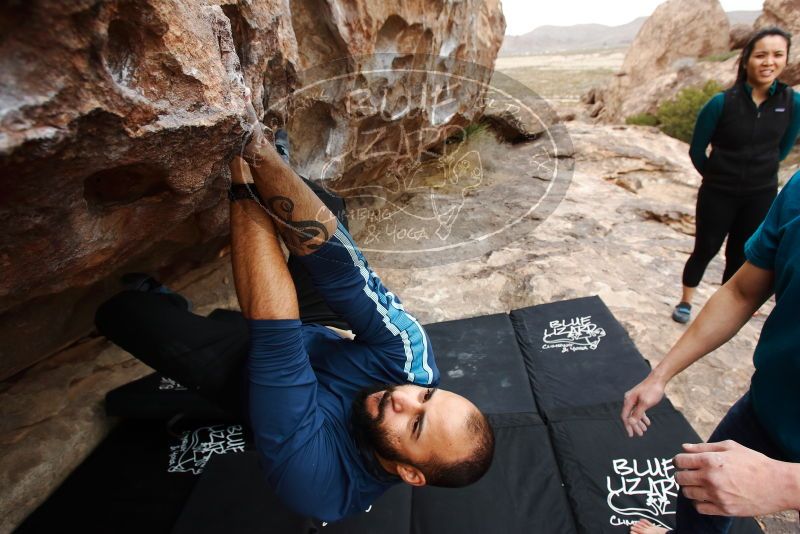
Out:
{"x": 309, "y": 234}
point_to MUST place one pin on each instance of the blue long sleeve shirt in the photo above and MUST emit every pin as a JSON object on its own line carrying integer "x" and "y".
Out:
{"x": 304, "y": 378}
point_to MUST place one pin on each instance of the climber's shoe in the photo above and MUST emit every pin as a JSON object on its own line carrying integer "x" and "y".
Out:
{"x": 146, "y": 283}
{"x": 682, "y": 312}
{"x": 139, "y": 282}
{"x": 282, "y": 144}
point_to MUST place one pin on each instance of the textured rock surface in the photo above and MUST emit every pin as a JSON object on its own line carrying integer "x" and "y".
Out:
{"x": 665, "y": 86}
{"x": 117, "y": 118}
{"x": 739, "y": 35}
{"x": 52, "y": 415}
{"x": 52, "y": 418}
{"x": 115, "y": 125}
{"x": 677, "y": 33}
{"x": 786, "y": 14}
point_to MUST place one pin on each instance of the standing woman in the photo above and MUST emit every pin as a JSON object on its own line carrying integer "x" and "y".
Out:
{"x": 751, "y": 127}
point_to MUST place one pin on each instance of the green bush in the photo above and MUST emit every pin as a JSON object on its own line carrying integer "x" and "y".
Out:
{"x": 466, "y": 132}
{"x": 642, "y": 119}
{"x": 474, "y": 129}
{"x": 677, "y": 117}
{"x": 720, "y": 57}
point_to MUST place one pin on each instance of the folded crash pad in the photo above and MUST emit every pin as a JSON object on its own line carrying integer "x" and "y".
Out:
{"x": 576, "y": 354}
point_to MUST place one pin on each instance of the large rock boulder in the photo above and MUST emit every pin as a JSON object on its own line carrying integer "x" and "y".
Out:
{"x": 117, "y": 119}
{"x": 115, "y": 123}
{"x": 786, "y": 14}
{"x": 740, "y": 33}
{"x": 677, "y": 33}
{"x": 662, "y": 87}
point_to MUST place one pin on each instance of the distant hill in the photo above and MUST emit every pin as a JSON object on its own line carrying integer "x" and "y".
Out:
{"x": 588, "y": 36}
{"x": 743, "y": 17}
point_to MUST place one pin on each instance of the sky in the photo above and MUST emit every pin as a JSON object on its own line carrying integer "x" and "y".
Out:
{"x": 524, "y": 15}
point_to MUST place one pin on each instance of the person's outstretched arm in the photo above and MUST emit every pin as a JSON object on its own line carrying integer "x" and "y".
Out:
{"x": 288, "y": 425}
{"x": 720, "y": 319}
{"x": 337, "y": 267}
{"x": 722, "y": 316}
{"x": 302, "y": 219}
{"x": 264, "y": 286}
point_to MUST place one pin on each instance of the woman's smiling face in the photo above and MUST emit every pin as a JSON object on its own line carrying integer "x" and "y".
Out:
{"x": 767, "y": 60}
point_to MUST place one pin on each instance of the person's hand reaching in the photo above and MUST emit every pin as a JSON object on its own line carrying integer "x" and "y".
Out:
{"x": 259, "y": 137}
{"x": 638, "y": 400}
{"x": 729, "y": 479}
{"x": 257, "y": 133}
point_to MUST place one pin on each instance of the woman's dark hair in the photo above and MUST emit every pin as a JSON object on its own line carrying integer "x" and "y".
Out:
{"x": 744, "y": 57}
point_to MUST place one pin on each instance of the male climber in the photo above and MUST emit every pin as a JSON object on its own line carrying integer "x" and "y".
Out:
{"x": 337, "y": 420}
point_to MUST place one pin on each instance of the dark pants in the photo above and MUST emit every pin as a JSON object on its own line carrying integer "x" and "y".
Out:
{"x": 721, "y": 214}
{"x": 740, "y": 425}
{"x": 205, "y": 354}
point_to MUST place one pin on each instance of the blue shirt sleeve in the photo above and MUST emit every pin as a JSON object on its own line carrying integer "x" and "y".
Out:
{"x": 704, "y": 128}
{"x": 761, "y": 248}
{"x": 291, "y": 433}
{"x": 790, "y": 137}
{"x": 283, "y": 388}
{"x": 313, "y": 482}
{"x": 343, "y": 277}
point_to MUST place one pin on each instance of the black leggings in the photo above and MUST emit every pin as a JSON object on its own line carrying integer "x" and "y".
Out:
{"x": 205, "y": 354}
{"x": 719, "y": 214}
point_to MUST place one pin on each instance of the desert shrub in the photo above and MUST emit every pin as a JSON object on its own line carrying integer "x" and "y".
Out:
{"x": 676, "y": 117}
{"x": 467, "y": 132}
{"x": 723, "y": 56}
{"x": 474, "y": 129}
{"x": 642, "y": 119}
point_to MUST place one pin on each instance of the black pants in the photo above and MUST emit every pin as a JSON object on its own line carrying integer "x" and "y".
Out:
{"x": 205, "y": 354}
{"x": 721, "y": 214}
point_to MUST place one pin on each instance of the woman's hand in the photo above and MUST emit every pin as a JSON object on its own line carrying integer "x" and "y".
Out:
{"x": 638, "y": 400}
